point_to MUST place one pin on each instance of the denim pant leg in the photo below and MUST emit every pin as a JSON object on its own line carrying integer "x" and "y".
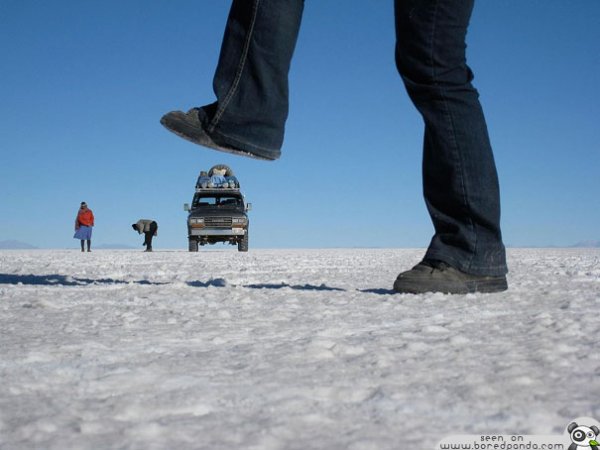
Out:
{"x": 459, "y": 173}
{"x": 251, "y": 79}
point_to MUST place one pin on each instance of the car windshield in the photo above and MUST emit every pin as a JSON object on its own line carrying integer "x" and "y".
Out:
{"x": 217, "y": 201}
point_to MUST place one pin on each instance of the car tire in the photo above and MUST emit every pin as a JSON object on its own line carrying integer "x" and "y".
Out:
{"x": 192, "y": 245}
{"x": 243, "y": 243}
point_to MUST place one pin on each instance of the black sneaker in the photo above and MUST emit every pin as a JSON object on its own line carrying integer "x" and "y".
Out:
{"x": 437, "y": 276}
{"x": 189, "y": 126}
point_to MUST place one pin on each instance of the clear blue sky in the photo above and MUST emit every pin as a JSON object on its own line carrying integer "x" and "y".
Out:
{"x": 84, "y": 84}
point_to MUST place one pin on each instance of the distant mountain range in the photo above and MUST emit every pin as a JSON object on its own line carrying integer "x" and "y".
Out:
{"x": 12, "y": 244}
{"x": 15, "y": 245}
{"x": 587, "y": 244}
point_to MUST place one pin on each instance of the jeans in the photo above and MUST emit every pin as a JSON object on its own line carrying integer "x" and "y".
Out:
{"x": 460, "y": 182}
{"x": 251, "y": 80}
{"x": 149, "y": 234}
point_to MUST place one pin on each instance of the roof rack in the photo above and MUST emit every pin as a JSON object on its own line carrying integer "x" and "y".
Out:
{"x": 217, "y": 189}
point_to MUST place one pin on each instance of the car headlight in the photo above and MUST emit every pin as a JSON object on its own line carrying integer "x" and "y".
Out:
{"x": 239, "y": 221}
{"x": 197, "y": 221}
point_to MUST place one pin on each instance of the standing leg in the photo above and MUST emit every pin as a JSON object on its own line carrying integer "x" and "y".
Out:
{"x": 82, "y": 245}
{"x": 250, "y": 82}
{"x": 459, "y": 174}
{"x": 89, "y": 245}
{"x": 149, "y": 235}
{"x": 460, "y": 183}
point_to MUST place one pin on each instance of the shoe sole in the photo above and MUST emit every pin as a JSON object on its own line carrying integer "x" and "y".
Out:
{"x": 199, "y": 137}
{"x": 486, "y": 286}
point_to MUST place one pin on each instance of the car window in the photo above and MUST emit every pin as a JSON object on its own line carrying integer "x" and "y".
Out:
{"x": 217, "y": 201}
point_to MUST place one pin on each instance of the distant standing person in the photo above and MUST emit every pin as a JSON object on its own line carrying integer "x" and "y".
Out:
{"x": 149, "y": 228}
{"x": 83, "y": 226}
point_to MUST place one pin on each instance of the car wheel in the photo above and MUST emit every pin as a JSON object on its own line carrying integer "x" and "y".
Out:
{"x": 243, "y": 243}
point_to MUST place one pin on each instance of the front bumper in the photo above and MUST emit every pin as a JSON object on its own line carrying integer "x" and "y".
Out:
{"x": 217, "y": 232}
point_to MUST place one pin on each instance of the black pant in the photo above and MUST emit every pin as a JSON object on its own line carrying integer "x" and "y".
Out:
{"x": 149, "y": 234}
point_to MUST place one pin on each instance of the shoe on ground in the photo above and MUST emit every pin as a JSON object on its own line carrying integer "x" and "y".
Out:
{"x": 437, "y": 276}
{"x": 189, "y": 126}
{"x": 148, "y": 249}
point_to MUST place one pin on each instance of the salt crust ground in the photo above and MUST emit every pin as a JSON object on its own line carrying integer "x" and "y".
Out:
{"x": 287, "y": 349}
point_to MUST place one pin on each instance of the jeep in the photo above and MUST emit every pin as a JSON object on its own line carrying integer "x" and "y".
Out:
{"x": 218, "y": 213}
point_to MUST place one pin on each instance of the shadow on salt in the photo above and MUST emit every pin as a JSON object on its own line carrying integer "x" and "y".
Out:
{"x": 62, "y": 280}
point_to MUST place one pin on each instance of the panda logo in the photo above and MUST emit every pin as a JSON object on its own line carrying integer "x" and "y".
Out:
{"x": 583, "y": 437}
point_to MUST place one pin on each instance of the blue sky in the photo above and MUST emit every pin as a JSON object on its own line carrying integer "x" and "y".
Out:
{"x": 84, "y": 84}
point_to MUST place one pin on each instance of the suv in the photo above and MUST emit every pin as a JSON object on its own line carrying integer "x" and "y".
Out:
{"x": 218, "y": 212}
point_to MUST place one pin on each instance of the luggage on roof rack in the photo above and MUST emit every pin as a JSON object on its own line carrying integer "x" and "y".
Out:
{"x": 219, "y": 176}
{"x": 221, "y": 167}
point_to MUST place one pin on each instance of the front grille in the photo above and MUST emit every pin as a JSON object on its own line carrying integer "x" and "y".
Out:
{"x": 217, "y": 222}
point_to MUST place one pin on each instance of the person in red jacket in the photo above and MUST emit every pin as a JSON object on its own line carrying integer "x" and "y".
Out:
{"x": 83, "y": 226}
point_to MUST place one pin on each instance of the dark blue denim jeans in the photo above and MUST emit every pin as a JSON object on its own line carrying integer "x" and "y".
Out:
{"x": 459, "y": 174}
{"x": 251, "y": 80}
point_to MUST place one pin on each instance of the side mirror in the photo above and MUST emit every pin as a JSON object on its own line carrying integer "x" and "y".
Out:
{"x": 186, "y": 207}
{"x": 248, "y": 206}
